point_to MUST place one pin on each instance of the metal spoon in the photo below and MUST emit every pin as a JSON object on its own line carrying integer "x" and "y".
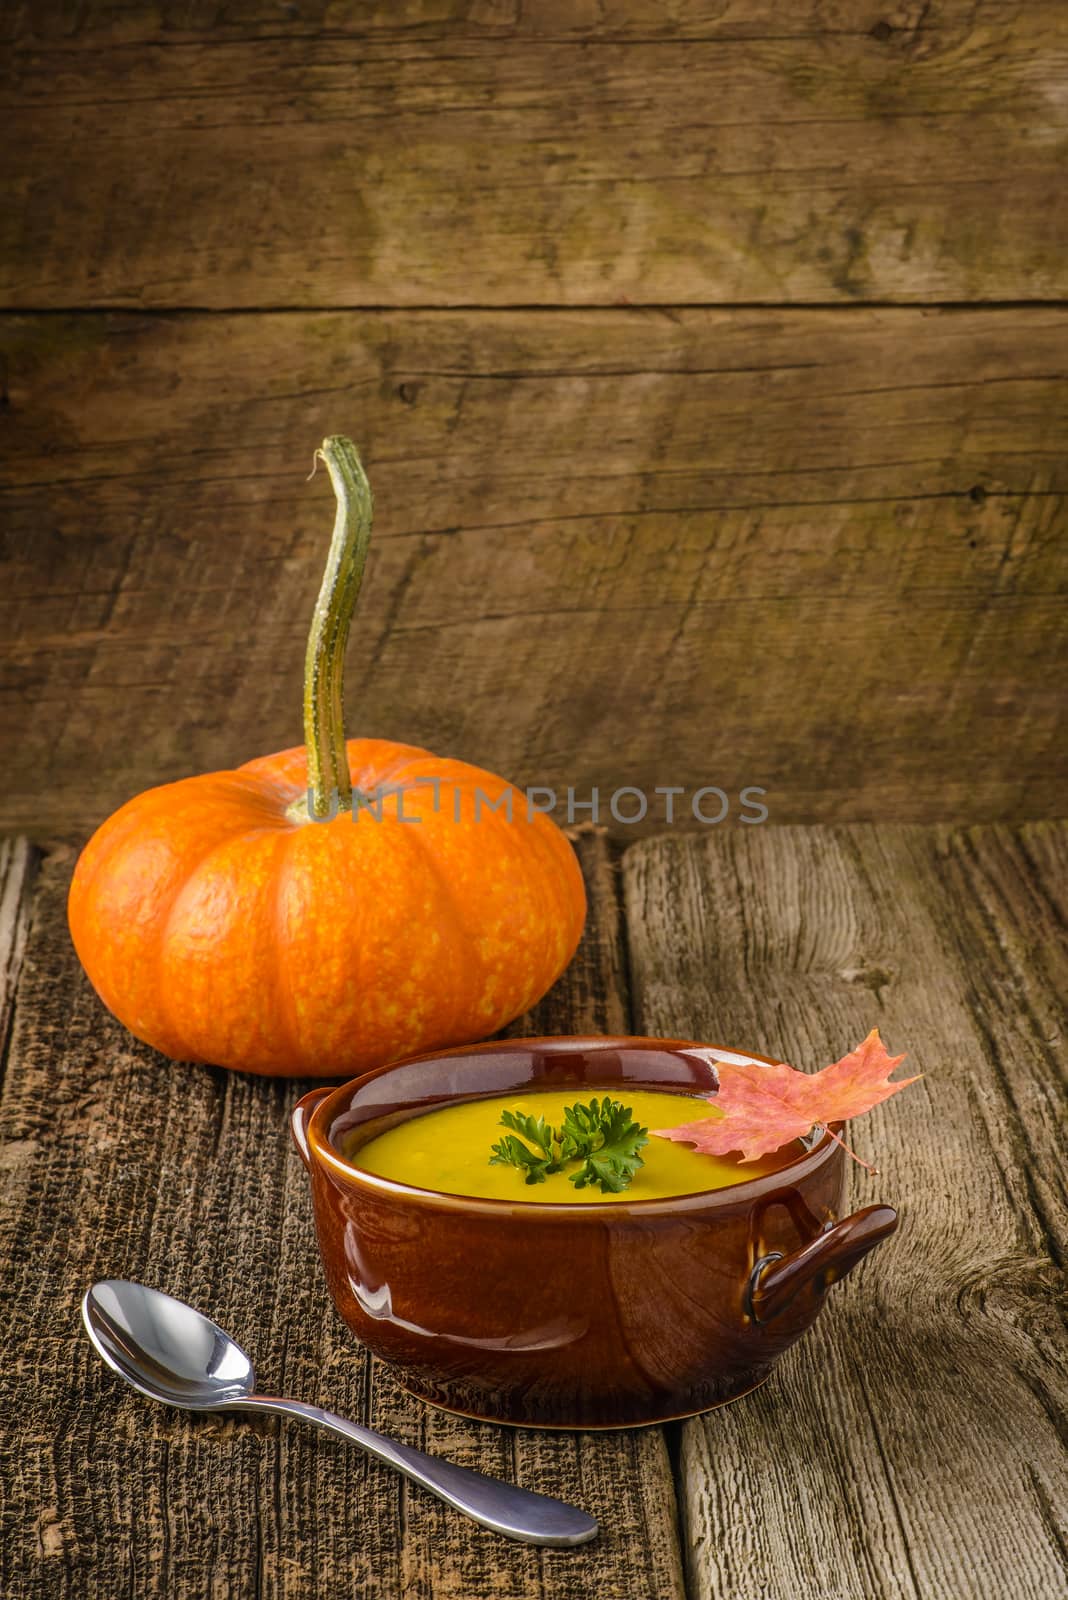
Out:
{"x": 171, "y": 1353}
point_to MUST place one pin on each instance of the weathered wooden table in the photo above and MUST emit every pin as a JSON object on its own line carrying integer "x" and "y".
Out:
{"x": 907, "y": 1447}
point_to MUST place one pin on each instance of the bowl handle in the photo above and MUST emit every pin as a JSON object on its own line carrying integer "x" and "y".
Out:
{"x": 299, "y": 1118}
{"x": 776, "y": 1279}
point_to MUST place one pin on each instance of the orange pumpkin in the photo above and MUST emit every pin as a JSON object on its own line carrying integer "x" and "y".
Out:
{"x": 261, "y": 919}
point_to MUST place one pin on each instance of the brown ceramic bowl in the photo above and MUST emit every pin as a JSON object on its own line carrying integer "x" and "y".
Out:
{"x": 571, "y": 1316}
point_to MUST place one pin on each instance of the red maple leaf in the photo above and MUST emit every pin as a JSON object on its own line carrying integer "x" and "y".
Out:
{"x": 764, "y": 1107}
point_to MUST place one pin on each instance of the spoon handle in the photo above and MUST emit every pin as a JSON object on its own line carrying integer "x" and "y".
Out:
{"x": 504, "y": 1507}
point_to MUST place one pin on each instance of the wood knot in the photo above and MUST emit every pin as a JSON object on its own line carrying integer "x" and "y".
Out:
{"x": 869, "y": 977}
{"x": 1008, "y": 1287}
{"x": 881, "y": 31}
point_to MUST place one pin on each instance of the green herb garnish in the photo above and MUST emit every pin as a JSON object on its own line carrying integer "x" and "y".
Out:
{"x": 512, "y": 1152}
{"x": 601, "y": 1135}
{"x": 604, "y": 1138}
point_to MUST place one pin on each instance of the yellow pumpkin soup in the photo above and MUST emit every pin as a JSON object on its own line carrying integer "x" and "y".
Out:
{"x": 467, "y": 1149}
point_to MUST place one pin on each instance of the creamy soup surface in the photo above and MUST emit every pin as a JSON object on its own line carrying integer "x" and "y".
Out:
{"x": 449, "y": 1149}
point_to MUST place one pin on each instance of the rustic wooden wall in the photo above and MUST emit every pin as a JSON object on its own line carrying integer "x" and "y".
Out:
{"x": 709, "y": 359}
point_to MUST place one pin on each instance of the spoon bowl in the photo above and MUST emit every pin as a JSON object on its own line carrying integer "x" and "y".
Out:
{"x": 172, "y": 1353}
{"x": 164, "y": 1348}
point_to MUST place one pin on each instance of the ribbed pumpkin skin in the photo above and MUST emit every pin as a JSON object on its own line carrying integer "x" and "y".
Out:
{"x": 218, "y": 930}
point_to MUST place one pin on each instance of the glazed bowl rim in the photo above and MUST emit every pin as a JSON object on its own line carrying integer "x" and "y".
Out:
{"x": 321, "y": 1151}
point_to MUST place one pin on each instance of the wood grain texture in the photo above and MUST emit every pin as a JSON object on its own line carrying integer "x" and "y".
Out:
{"x": 909, "y": 1447}
{"x": 18, "y": 869}
{"x": 259, "y": 155}
{"x": 818, "y": 552}
{"x": 117, "y": 1163}
{"x": 593, "y": 22}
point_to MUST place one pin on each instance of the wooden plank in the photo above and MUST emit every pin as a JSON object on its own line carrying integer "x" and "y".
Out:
{"x": 816, "y": 552}
{"x": 713, "y": 157}
{"x": 638, "y": 1552}
{"x": 909, "y": 1447}
{"x": 119, "y": 1163}
{"x": 98, "y": 23}
{"x": 18, "y": 869}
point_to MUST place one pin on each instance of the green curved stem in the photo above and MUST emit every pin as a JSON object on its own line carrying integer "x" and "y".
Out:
{"x": 324, "y": 663}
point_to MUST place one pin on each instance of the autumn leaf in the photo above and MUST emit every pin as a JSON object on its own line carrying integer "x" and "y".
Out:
{"x": 764, "y": 1107}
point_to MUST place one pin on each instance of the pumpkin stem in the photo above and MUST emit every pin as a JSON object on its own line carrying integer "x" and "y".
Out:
{"x": 329, "y": 783}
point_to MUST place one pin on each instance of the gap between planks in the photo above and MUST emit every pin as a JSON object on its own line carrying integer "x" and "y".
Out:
{"x": 530, "y": 308}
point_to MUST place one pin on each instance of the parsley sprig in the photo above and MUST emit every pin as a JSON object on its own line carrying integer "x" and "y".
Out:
{"x": 512, "y": 1152}
{"x": 602, "y": 1136}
